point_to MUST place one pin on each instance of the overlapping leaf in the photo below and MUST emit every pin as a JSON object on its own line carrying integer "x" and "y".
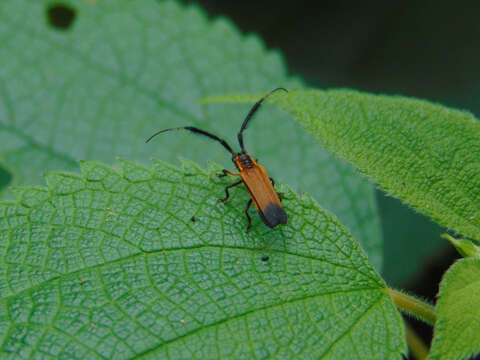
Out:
{"x": 457, "y": 331}
{"x": 111, "y": 265}
{"x": 424, "y": 154}
{"x": 126, "y": 69}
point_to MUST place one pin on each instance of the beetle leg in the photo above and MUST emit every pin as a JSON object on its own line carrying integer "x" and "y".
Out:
{"x": 278, "y": 193}
{"x": 227, "y": 195}
{"x": 280, "y": 196}
{"x": 225, "y": 172}
{"x": 248, "y": 216}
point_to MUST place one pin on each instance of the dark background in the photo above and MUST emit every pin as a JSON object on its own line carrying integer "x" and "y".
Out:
{"x": 424, "y": 49}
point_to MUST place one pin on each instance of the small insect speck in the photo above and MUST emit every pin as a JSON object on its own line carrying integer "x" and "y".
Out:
{"x": 265, "y": 258}
{"x": 182, "y": 321}
{"x": 82, "y": 282}
{"x": 193, "y": 219}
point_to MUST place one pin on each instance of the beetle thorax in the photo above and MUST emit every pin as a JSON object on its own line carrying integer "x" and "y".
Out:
{"x": 243, "y": 160}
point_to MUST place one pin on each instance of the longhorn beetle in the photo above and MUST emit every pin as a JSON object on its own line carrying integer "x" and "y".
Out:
{"x": 258, "y": 183}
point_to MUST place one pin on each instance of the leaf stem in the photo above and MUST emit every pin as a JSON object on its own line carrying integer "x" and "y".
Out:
{"x": 415, "y": 343}
{"x": 413, "y": 306}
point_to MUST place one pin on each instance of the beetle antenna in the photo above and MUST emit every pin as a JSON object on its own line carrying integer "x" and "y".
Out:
{"x": 196, "y": 131}
{"x": 250, "y": 114}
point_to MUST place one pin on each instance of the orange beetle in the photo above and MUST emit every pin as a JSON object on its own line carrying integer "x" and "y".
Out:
{"x": 254, "y": 176}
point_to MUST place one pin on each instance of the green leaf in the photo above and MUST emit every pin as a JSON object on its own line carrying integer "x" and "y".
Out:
{"x": 124, "y": 70}
{"x": 110, "y": 264}
{"x": 424, "y": 154}
{"x": 457, "y": 330}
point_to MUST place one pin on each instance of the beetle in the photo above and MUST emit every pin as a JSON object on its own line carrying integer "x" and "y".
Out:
{"x": 260, "y": 186}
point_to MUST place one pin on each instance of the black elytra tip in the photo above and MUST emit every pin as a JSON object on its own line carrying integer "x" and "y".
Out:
{"x": 60, "y": 16}
{"x": 192, "y": 219}
{"x": 265, "y": 258}
{"x": 273, "y": 215}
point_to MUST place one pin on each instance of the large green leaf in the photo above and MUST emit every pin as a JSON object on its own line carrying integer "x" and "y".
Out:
{"x": 457, "y": 330}
{"x": 111, "y": 265}
{"x": 126, "y": 69}
{"x": 424, "y": 154}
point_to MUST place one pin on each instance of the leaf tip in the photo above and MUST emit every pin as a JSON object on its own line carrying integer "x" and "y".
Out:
{"x": 465, "y": 247}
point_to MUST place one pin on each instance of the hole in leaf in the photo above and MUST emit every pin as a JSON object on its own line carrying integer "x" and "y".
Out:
{"x": 60, "y": 16}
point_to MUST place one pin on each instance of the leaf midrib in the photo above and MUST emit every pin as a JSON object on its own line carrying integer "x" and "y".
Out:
{"x": 352, "y": 326}
{"x": 162, "y": 251}
{"x": 271, "y": 306}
